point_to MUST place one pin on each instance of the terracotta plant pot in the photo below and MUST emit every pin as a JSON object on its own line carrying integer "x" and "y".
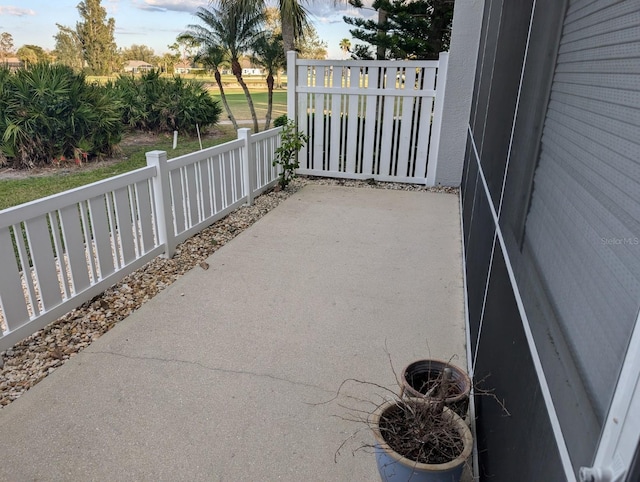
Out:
{"x": 394, "y": 467}
{"x": 418, "y": 379}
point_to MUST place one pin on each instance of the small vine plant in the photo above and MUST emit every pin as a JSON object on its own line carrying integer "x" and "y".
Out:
{"x": 292, "y": 140}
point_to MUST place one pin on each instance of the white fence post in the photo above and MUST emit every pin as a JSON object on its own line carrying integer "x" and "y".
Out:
{"x": 292, "y": 84}
{"x": 441, "y": 83}
{"x": 248, "y": 161}
{"x": 162, "y": 200}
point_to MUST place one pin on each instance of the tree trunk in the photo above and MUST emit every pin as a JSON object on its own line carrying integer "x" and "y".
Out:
{"x": 381, "y": 51}
{"x": 267, "y": 122}
{"x": 224, "y": 99}
{"x": 287, "y": 35}
{"x": 237, "y": 71}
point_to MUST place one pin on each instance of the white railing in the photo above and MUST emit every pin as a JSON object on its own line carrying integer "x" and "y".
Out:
{"x": 59, "y": 252}
{"x": 368, "y": 119}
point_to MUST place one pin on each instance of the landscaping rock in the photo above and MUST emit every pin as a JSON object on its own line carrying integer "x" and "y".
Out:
{"x": 34, "y": 358}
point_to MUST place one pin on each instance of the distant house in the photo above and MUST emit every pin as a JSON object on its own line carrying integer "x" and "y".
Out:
{"x": 135, "y": 66}
{"x": 12, "y": 62}
{"x": 182, "y": 67}
{"x": 247, "y": 68}
{"x": 251, "y": 71}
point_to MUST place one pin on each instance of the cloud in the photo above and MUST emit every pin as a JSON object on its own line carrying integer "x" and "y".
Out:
{"x": 188, "y": 6}
{"x": 112, "y": 6}
{"x": 15, "y": 11}
{"x": 322, "y": 11}
{"x": 125, "y": 31}
{"x": 328, "y": 13}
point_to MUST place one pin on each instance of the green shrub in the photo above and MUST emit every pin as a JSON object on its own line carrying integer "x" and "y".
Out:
{"x": 280, "y": 121}
{"x": 292, "y": 140}
{"x": 158, "y": 104}
{"x": 49, "y": 114}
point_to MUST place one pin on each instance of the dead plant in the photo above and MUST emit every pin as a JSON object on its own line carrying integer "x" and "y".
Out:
{"x": 420, "y": 430}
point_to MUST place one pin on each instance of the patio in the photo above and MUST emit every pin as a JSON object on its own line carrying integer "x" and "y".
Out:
{"x": 219, "y": 377}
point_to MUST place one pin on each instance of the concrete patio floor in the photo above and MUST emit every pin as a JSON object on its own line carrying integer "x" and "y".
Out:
{"x": 219, "y": 376}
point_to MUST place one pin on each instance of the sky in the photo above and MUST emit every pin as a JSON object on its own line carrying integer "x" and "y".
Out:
{"x": 155, "y": 23}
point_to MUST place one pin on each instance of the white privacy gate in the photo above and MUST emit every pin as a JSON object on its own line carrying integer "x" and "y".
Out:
{"x": 368, "y": 119}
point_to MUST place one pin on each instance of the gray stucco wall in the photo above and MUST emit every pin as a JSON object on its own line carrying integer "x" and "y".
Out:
{"x": 463, "y": 53}
{"x": 571, "y": 211}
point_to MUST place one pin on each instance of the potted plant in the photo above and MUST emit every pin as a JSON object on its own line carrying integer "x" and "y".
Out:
{"x": 419, "y": 440}
{"x": 422, "y": 379}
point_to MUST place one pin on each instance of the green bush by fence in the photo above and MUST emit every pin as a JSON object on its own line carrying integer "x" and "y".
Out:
{"x": 49, "y": 113}
{"x": 159, "y": 104}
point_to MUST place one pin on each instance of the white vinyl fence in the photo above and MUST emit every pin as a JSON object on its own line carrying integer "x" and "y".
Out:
{"x": 368, "y": 119}
{"x": 59, "y": 252}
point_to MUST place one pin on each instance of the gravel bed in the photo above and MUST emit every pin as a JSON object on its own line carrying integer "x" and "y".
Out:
{"x": 32, "y": 359}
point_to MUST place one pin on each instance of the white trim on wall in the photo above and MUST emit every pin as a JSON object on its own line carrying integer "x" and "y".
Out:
{"x": 621, "y": 432}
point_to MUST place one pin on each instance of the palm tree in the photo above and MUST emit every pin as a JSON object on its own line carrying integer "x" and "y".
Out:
{"x": 268, "y": 53}
{"x": 233, "y": 28}
{"x": 293, "y": 15}
{"x": 345, "y": 46}
{"x": 213, "y": 56}
{"x": 294, "y": 18}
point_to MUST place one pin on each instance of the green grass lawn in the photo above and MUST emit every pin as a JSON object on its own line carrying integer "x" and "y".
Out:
{"x": 18, "y": 191}
{"x": 240, "y": 108}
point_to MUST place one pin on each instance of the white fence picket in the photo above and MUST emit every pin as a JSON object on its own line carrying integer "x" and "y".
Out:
{"x": 388, "y": 120}
{"x": 259, "y": 155}
{"x": 101, "y": 236}
{"x": 115, "y": 242}
{"x": 352, "y": 136}
{"x": 236, "y": 176}
{"x": 145, "y": 218}
{"x": 25, "y": 264}
{"x": 75, "y": 247}
{"x": 334, "y": 121}
{"x": 206, "y": 209}
{"x": 12, "y": 300}
{"x": 370, "y": 121}
{"x": 217, "y": 180}
{"x": 424, "y": 125}
{"x": 178, "y": 201}
{"x": 125, "y": 226}
{"x": 227, "y": 180}
{"x": 44, "y": 262}
{"x": 317, "y": 138}
{"x": 54, "y": 222}
{"x": 302, "y": 105}
{"x": 404, "y": 158}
